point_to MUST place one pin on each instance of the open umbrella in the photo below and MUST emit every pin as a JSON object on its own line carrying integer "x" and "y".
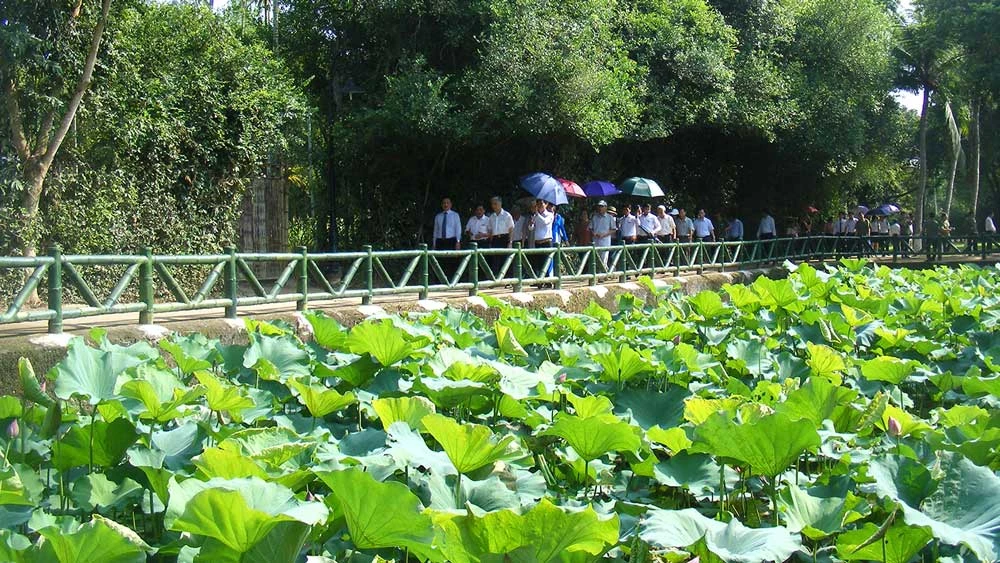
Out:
{"x": 861, "y": 209}
{"x": 600, "y": 188}
{"x": 641, "y": 187}
{"x": 572, "y": 188}
{"x": 889, "y": 208}
{"x": 811, "y": 209}
{"x": 545, "y": 187}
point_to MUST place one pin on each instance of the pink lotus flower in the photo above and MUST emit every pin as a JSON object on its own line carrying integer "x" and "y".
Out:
{"x": 561, "y": 378}
{"x": 13, "y": 429}
{"x": 895, "y": 429}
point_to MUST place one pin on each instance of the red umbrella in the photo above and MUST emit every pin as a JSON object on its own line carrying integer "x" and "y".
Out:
{"x": 812, "y": 209}
{"x": 571, "y": 187}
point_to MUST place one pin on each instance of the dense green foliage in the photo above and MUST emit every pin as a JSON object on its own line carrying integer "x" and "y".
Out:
{"x": 837, "y": 415}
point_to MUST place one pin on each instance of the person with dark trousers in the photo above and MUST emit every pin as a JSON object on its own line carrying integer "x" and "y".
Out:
{"x": 541, "y": 226}
{"x": 500, "y": 227}
{"x": 447, "y": 236}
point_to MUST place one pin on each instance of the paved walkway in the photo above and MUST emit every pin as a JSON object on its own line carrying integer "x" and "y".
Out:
{"x": 82, "y": 325}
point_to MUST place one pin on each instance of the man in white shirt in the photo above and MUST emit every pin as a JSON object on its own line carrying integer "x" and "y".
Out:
{"x": 734, "y": 230}
{"x": 684, "y": 225}
{"x": 840, "y": 225}
{"x": 602, "y": 227}
{"x": 649, "y": 225}
{"x": 851, "y": 226}
{"x": 667, "y": 227}
{"x": 990, "y": 229}
{"x": 629, "y": 225}
{"x": 541, "y": 226}
{"x": 478, "y": 227}
{"x": 766, "y": 230}
{"x": 704, "y": 230}
{"x": 447, "y": 229}
{"x": 501, "y": 229}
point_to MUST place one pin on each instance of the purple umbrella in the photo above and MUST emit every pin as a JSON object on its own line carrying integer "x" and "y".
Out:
{"x": 600, "y": 188}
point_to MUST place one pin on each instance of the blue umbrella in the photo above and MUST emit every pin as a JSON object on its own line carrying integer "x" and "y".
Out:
{"x": 600, "y": 188}
{"x": 545, "y": 187}
{"x": 889, "y": 208}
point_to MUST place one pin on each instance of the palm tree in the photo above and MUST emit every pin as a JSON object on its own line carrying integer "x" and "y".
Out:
{"x": 925, "y": 62}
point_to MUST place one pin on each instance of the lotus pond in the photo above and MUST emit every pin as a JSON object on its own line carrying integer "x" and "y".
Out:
{"x": 841, "y": 414}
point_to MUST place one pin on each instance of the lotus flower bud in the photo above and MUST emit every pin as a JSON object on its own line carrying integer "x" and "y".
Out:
{"x": 13, "y": 429}
{"x": 45, "y": 383}
{"x": 895, "y": 429}
{"x": 561, "y": 378}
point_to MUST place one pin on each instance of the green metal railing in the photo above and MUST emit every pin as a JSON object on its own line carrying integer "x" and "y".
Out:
{"x": 418, "y": 272}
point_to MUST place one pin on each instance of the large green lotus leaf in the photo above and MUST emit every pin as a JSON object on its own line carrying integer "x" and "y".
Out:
{"x": 410, "y": 410}
{"x": 750, "y": 355}
{"x": 270, "y": 499}
{"x": 768, "y": 445}
{"x": 519, "y": 383}
{"x": 277, "y": 357}
{"x": 458, "y": 364}
{"x": 698, "y": 409}
{"x": 226, "y": 464}
{"x": 98, "y": 540}
{"x": 383, "y": 340}
{"x": 191, "y": 353}
{"x": 709, "y": 305}
{"x": 979, "y": 386}
{"x": 900, "y": 543}
{"x": 327, "y": 332}
{"x": 159, "y": 392}
{"x": 446, "y": 393}
{"x": 593, "y": 437}
{"x": 319, "y": 399}
{"x": 695, "y": 472}
{"x": 813, "y": 516}
{"x": 591, "y": 405}
{"x": 85, "y": 372}
{"x": 963, "y": 509}
{"x": 507, "y": 342}
{"x": 358, "y": 372}
{"x": 379, "y": 515}
{"x": 13, "y": 491}
{"x": 469, "y": 446}
{"x": 665, "y": 409}
{"x": 407, "y": 447}
{"x": 95, "y": 490}
{"x": 544, "y": 534}
{"x": 526, "y": 330}
{"x": 888, "y": 369}
{"x": 825, "y": 362}
{"x": 14, "y": 547}
{"x": 732, "y": 542}
{"x": 777, "y": 294}
{"x": 110, "y": 441}
{"x": 283, "y": 544}
{"x": 223, "y": 397}
{"x": 820, "y": 400}
{"x": 227, "y": 517}
{"x": 621, "y": 362}
{"x": 31, "y": 389}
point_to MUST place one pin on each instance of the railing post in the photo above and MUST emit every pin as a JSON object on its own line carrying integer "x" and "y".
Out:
{"x": 558, "y": 266}
{"x": 425, "y": 271}
{"x": 701, "y": 256}
{"x": 55, "y": 289}
{"x": 982, "y": 243}
{"x": 593, "y": 264}
{"x": 303, "y": 286}
{"x": 678, "y": 256}
{"x": 623, "y": 277}
{"x": 231, "y": 283}
{"x": 518, "y": 267}
{"x": 652, "y": 258}
{"x": 474, "y": 269}
{"x": 146, "y": 293}
{"x": 369, "y": 275}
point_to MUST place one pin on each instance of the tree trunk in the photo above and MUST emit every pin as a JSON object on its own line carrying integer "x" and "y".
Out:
{"x": 974, "y": 160}
{"x": 37, "y": 160}
{"x": 918, "y": 220}
{"x": 955, "y": 135}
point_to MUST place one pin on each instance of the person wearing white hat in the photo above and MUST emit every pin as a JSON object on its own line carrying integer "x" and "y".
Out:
{"x": 602, "y": 227}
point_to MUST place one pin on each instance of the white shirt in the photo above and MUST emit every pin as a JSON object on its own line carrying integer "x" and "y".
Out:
{"x": 991, "y": 227}
{"x": 629, "y": 226}
{"x": 703, "y": 227}
{"x": 840, "y": 227}
{"x": 518, "y": 234}
{"x": 851, "y": 226}
{"x": 501, "y": 223}
{"x": 650, "y": 224}
{"x": 602, "y": 226}
{"x": 478, "y": 227}
{"x": 766, "y": 226}
{"x": 667, "y": 226}
{"x": 894, "y": 229}
{"x": 447, "y": 224}
{"x": 541, "y": 223}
